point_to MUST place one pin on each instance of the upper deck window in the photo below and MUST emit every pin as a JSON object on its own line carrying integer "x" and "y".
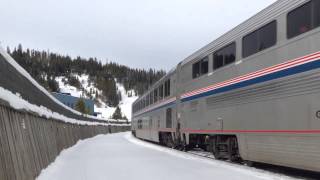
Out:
{"x": 151, "y": 98}
{"x": 316, "y": 11}
{"x": 155, "y": 94}
{"x": 167, "y": 88}
{"x": 299, "y": 20}
{"x": 260, "y": 39}
{"x": 161, "y": 91}
{"x": 148, "y": 99}
{"x": 224, "y": 56}
{"x": 200, "y": 68}
{"x": 303, "y": 19}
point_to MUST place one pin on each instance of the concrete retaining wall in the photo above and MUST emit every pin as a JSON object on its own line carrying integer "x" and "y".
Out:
{"x": 29, "y": 143}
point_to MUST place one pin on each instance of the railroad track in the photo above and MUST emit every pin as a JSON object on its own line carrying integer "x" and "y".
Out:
{"x": 285, "y": 171}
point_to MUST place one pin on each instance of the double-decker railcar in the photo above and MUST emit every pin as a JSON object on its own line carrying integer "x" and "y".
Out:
{"x": 252, "y": 94}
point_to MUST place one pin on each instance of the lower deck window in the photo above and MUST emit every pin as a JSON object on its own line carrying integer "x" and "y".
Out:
{"x": 169, "y": 118}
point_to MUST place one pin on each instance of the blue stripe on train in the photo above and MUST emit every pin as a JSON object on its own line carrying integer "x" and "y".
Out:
{"x": 276, "y": 75}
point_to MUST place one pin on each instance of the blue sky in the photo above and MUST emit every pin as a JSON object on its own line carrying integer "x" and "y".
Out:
{"x": 138, "y": 33}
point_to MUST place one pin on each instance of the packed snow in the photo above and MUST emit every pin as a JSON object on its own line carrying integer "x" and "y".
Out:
{"x": 105, "y": 111}
{"x": 122, "y": 157}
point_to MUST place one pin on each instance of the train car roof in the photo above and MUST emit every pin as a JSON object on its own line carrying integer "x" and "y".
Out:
{"x": 256, "y": 21}
{"x": 168, "y": 74}
{"x": 261, "y": 18}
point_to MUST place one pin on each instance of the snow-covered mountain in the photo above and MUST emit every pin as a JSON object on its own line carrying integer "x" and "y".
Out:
{"x": 90, "y": 91}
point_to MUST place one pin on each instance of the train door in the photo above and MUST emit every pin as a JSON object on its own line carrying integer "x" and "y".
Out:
{"x": 169, "y": 118}
{"x": 178, "y": 92}
{"x": 219, "y": 123}
{"x": 151, "y": 128}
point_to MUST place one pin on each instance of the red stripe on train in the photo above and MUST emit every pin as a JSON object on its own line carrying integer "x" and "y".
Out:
{"x": 258, "y": 73}
{"x": 236, "y": 131}
{"x": 254, "y": 131}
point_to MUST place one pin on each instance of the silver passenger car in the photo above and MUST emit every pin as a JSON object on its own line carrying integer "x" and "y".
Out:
{"x": 252, "y": 94}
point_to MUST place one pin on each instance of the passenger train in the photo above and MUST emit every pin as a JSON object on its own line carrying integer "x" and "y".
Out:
{"x": 253, "y": 94}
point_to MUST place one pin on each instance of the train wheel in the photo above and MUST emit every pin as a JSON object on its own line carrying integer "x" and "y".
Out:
{"x": 233, "y": 154}
{"x": 249, "y": 163}
{"x": 214, "y": 148}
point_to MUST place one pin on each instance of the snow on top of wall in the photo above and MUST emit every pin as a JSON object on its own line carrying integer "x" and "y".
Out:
{"x": 16, "y": 102}
{"x": 23, "y": 72}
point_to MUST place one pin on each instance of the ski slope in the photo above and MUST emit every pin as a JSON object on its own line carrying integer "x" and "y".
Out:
{"x": 105, "y": 111}
{"x": 122, "y": 157}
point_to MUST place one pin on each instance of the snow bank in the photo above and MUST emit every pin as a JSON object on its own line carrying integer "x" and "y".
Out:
{"x": 16, "y": 102}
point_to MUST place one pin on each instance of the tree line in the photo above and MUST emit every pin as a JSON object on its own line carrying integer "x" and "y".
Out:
{"x": 45, "y": 66}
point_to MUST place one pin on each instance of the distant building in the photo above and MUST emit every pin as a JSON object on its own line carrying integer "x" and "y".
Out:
{"x": 71, "y": 101}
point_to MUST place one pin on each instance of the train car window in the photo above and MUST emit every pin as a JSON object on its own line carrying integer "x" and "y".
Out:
{"x": 196, "y": 70}
{"x": 224, "y": 56}
{"x": 161, "y": 91}
{"x": 155, "y": 95}
{"x": 147, "y": 100}
{"x": 167, "y": 88}
{"x": 169, "y": 118}
{"x": 260, "y": 39}
{"x": 200, "y": 68}
{"x": 150, "y": 123}
{"x": 267, "y": 36}
{"x": 299, "y": 20}
{"x": 249, "y": 44}
{"x": 204, "y": 65}
{"x": 140, "y": 124}
{"x": 316, "y": 13}
{"x": 151, "y": 98}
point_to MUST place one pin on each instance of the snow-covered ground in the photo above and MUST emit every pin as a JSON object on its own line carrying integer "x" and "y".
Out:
{"x": 122, "y": 157}
{"x": 87, "y": 87}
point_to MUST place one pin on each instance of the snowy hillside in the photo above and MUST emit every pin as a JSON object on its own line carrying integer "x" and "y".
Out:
{"x": 88, "y": 90}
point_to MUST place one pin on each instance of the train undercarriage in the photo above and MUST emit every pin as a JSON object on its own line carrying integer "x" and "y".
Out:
{"x": 223, "y": 147}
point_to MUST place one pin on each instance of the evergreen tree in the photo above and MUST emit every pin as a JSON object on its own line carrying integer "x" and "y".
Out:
{"x": 43, "y": 64}
{"x": 117, "y": 114}
{"x": 81, "y": 106}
